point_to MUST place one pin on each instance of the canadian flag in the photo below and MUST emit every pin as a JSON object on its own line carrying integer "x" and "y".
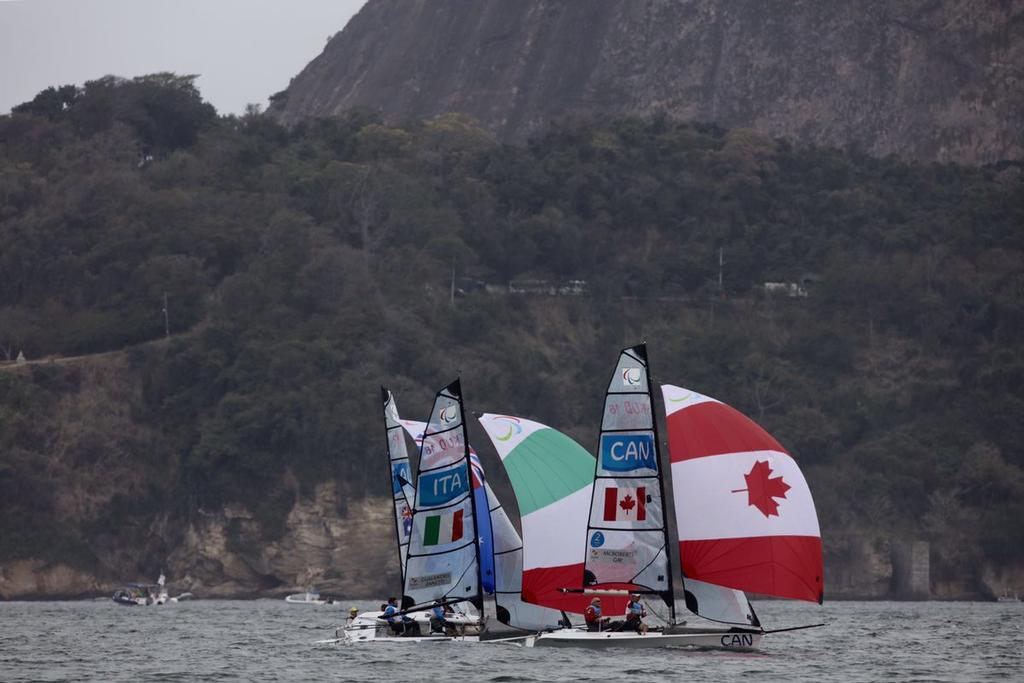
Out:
{"x": 625, "y": 505}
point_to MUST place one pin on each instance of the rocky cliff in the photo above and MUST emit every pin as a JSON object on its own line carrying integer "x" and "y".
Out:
{"x": 925, "y": 79}
{"x": 91, "y": 499}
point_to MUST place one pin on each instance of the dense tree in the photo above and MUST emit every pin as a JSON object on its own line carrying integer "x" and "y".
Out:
{"x": 305, "y": 267}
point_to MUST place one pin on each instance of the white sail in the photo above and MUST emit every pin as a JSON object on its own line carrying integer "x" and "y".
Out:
{"x": 401, "y": 476}
{"x": 442, "y": 558}
{"x": 626, "y": 539}
{"x": 507, "y": 561}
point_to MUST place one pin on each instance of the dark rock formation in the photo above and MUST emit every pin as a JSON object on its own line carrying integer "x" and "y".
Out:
{"x": 925, "y": 79}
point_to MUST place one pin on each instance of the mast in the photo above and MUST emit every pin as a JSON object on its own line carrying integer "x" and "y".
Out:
{"x": 661, "y": 486}
{"x": 627, "y": 540}
{"x": 479, "y": 601}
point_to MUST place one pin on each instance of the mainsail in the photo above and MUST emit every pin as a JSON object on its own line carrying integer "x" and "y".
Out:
{"x": 552, "y": 477}
{"x": 442, "y": 560}
{"x": 745, "y": 514}
{"x": 627, "y": 542}
{"x": 481, "y": 492}
{"x": 398, "y": 465}
{"x": 501, "y": 551}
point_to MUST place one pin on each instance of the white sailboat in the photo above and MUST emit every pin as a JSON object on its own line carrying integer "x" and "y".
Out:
{"x": 435, "y": 523}
{"x": 767, "y": 541}
{"x": 500, "y": 549}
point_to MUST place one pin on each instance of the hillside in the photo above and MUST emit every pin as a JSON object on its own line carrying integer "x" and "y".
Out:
{"x": 932, "y": 81}
{"x": 306, "y": 266}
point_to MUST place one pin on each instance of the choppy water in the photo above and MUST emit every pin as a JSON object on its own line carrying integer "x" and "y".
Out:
{"x": 274, "y": 641}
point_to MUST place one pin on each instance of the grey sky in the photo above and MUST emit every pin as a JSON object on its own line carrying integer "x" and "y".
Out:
{"x": 244, "y": 50}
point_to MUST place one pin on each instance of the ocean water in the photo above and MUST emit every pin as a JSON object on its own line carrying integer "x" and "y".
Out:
{"x": 269, "y": 640}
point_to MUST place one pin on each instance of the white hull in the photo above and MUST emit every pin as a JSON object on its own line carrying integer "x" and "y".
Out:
{"x": 367, "y": 628}
{"x": 717, "y": 640}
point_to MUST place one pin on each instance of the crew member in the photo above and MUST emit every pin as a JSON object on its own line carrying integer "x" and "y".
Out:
{"x": 593, "y": 615}
{"x": 635, "y": 614}
{"x": 438, "y": 623}
{"x": 390, "y": 610}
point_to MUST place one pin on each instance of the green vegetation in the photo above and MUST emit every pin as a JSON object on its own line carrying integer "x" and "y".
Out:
{"x": 306, "y": 267}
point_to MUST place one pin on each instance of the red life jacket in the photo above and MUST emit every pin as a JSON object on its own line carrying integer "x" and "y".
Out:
{"x": 591, "y": 614}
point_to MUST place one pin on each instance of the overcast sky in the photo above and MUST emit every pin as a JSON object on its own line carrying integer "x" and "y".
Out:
{"x": 244, "y": 50}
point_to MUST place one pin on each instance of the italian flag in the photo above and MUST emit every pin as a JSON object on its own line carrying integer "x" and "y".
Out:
{"x": 443, "y": 529}
{"x": 625, "y": 504}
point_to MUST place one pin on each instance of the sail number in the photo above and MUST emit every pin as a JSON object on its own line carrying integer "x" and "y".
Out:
{"x": 437, "y": 488}
{"x": 625, "y": 452}
{"x": 738, "y": 640}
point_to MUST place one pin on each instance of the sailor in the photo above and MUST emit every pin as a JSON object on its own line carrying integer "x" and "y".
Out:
{"x": 390, "y": 610}
{"x": 635, "y": 614}
{"x": 593, "y": 615}
{"x": 438, "y": 624}
{"x": 353, "y": 612}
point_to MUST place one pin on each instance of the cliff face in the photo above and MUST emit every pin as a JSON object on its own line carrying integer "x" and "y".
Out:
{"x": 924, "y": 79}
{"x": 90, "y": 500}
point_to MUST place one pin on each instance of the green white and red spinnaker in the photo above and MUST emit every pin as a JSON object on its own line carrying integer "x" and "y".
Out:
{"x": 553, "y": 479}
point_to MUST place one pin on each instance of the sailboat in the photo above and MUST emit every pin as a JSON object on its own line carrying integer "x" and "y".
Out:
{"x": 500, "y": 552}
{"x": 766, "y": 541}
{"x": 371, "y": 626}
{"x": 499, "y": 547}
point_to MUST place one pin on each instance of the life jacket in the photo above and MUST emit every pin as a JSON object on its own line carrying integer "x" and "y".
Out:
{"x": 592, "y": 614}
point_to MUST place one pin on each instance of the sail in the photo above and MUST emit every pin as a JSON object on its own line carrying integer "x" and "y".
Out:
{"x": 508, "y": 564}
{"x": 627, "y": 544}
{"x": 442, "y": 559}
{"x": 552, "y": 477}
{"x": 745, "y": 514}
{"x": 485, "y": 537}
{"x": 398, "y": 465}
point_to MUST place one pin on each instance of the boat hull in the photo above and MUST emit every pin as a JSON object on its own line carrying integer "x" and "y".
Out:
{"x": 367, "y": 628}
{"x": 705, "y": 640}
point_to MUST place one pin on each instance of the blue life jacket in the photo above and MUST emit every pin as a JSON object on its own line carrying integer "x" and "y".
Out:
{"x": 389, "y": 612}
{"x": 439, "y": 612}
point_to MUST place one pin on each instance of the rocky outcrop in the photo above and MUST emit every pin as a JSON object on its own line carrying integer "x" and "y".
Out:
{"x": 925, "y": 79}
{"x": 225, "y": 554}
{"x": 90, "y": 499}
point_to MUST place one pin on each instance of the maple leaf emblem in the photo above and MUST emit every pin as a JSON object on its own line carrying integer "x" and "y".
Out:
{"x": 627, "y": 503}
{"x": 762, "y": 489}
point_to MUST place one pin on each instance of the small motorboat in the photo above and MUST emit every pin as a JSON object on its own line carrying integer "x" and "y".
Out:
{"x": 145, "y": 594}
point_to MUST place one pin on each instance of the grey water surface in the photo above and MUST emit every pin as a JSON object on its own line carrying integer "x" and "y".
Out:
{"x": 269, "y": 640}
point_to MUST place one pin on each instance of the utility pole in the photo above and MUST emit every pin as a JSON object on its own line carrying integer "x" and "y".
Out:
{"x": 720, "y": 261}
{"x": 452, "y": 296}
{"x": 167, "y": 319}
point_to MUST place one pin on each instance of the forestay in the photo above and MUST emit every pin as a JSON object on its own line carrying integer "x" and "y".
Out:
{"x": 627, "y": 544}
{"x": 745, "y": 514}
{"x": 552, "y": 477}
{"x": 442, "y": 559}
